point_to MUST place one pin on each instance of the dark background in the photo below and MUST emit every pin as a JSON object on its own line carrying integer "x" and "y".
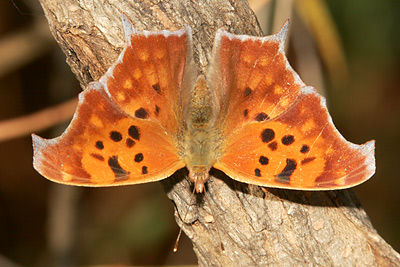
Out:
{"x": 42, "y": 223}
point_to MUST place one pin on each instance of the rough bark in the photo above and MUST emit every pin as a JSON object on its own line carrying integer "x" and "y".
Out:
{"x": 257, "y": 226}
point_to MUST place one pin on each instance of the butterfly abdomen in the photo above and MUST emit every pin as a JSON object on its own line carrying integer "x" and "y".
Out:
{"x": 199, "y": 157}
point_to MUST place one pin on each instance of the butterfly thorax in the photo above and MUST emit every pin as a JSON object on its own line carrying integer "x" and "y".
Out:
{"x": 199, "y": 154}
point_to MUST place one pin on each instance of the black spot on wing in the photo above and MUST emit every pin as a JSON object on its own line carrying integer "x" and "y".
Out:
{"x": 263, "y": 160}
{"x": 115, "y": 136}
{"x": 157, "y": 110}
{"x": 307, "y": 160}
{"x": 284, "y": 176}
{"x": 287, "y": 140}
{"x": 257, "y": 172}
{"x": 267, "y": 135}
{"x": 247, "y": 92}
{"x": 99, "y": 145}
{"x": 144, "y": 170}
{"x": 157, "y": 88}
{"x": 261, "y": 117}
{"x": 97, "y": 156}
{"x": 273, "y": 146}
{"x": 141, "y": 113}
{"x": 120, "y": 174}
{"x": 304, "y": 149}
{"x": 134, "y": 132}
{"x": 245, "y": 113}
{"x": 129, "y": 143}
{"x": 139, "y": 157}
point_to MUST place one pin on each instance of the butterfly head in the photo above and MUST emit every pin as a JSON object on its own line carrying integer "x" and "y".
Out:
{"x": 199, "y": 175}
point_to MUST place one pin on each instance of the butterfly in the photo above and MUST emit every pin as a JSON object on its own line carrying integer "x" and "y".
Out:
{"x": 250, "y": 116}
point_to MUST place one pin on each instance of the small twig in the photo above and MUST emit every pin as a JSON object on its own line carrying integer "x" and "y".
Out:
{"x": 37, "y": 121}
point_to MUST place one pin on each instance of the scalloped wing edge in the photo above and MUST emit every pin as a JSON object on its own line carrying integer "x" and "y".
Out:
{"x": 367, "y": 149}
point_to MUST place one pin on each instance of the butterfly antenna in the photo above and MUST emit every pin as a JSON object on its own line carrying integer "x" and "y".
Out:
{"x": 219, "y": 234}
{"x": 184, "y": 219}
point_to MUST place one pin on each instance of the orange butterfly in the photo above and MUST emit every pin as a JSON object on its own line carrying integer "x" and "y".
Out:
{"x": 250, "y": 116}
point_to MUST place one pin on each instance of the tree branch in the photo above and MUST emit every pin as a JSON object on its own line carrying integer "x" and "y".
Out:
{"x": 257, "y": 226}
{"x": 37, "y": 121}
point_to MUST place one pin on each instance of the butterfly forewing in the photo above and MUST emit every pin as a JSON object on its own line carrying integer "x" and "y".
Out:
{"x": 146, "y": 80}
{"x": 258, "y": 83}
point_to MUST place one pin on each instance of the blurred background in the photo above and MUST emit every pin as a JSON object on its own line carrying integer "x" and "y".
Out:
{"x": 349, "y": 50}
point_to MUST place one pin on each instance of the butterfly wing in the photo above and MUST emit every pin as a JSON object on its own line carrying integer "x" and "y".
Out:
{"x": 125, "y": 127}
{"x": 252, "y": 78}
{"x": 147, "y": 79}
{"x": 279, "y": 132}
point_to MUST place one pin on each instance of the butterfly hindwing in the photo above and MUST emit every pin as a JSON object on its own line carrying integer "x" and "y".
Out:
{"x": 301, "y": 149}
{"x": 103, "y": 146}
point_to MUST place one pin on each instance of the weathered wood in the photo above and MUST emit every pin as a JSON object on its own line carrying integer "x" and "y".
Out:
{"x": 258, "y": 226}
